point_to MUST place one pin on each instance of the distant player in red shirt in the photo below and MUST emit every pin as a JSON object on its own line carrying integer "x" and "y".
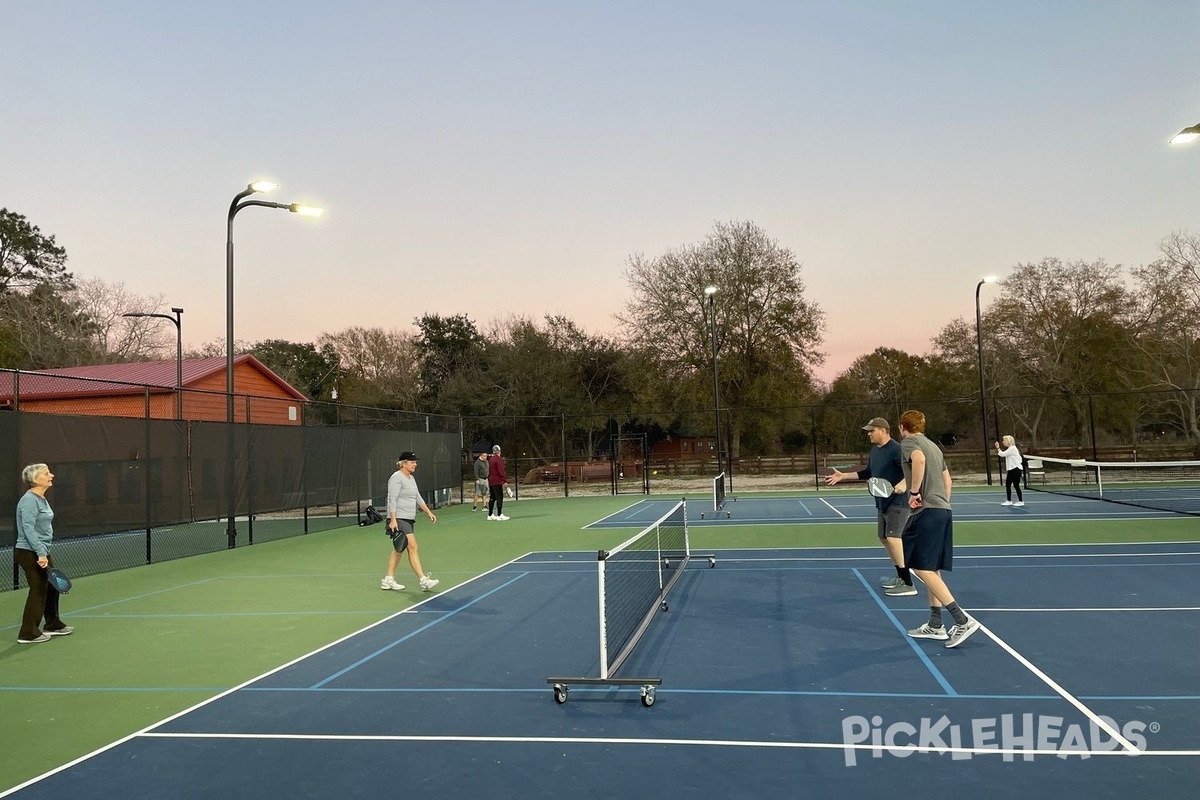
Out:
{"x": 496, "y": 481}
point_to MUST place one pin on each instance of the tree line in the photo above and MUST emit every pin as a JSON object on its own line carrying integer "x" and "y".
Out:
{"x": 1072, "y": 350}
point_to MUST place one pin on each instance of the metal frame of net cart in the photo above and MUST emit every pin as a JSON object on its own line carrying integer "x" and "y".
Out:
{"x": 635, "y": 577}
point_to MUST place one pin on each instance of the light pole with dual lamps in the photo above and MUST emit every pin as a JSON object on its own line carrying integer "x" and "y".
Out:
{"x": 178, "y": 322}
{"x": 987, "y": 456}
{"x": 239, "y": 202}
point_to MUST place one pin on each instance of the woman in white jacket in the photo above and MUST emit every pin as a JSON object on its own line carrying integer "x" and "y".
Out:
{"x": 1012, "y": 465}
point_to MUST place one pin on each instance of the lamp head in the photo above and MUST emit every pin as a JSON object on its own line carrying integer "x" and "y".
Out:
{"x": 262, "y": 186}
{"x": 990, "y": 279}
{"x": 1186, "y": 135}
{"x": 177, "y": 310}
{"x": 710, "y": 290}
{"x": 305, "y": 211}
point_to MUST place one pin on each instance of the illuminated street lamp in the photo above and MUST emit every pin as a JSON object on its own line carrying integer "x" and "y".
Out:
{"x": 239, "y": 202}
{"x": 1187, "y": 135}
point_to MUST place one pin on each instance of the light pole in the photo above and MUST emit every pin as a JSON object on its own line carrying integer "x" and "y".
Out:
{"x": 987, "y": 457}
{"x": 710, "y": 292}
{"x": 239, "y": 202}
{"x": 178, "y": 322}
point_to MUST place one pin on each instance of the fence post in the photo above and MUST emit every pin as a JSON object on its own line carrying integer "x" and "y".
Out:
{"x": 566, "y": 465}
{"x": 1092, "y": 427}
{"x": 249, "y": 480}
{"x": 145, "y": 468}
{"x": 812, "y": 416}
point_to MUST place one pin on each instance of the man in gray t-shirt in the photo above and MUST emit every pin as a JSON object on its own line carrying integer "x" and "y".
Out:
{"x": 928, "y": 536}
{"x": 481, "y": 476}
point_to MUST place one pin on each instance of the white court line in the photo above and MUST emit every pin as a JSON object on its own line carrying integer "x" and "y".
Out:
{"x": 615, "y": 513}
{"x": 244, "y": 684}
{"x": 840, "y": 514}
{"x": 1063, "y": 693}
{"x": 980, "y": 557}
{"x": 1070, "y": 698}
{"x": 911, "y": 748}
{"x": 1145, "y": 608}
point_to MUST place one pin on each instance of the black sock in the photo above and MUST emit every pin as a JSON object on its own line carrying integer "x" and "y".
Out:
{"x": 904, "y": 575}
{"x": 960, "y": 616}
{"x": 935, "y": 616}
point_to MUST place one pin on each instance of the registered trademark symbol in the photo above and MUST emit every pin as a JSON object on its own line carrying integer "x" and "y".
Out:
{"x": 1155, "y": 727}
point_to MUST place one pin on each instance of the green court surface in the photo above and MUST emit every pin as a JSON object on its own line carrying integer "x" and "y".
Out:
{"x": 153, "y": 641}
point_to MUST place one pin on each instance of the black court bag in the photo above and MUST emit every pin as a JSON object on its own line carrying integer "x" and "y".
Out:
{"x": 372, "y": 516}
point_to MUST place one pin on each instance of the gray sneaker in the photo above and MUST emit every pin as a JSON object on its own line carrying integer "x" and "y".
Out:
{"x": 888, "y": 583}
{"x": 960, "y": 633}
{"x": 901, "y": 589}
{"x": 41, "y": 637}
{"x": 928, "y": 632}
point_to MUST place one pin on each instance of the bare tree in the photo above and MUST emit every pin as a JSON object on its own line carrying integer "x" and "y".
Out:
{"x": 767, "y": 332}
{"x": 1168, "y": 293}
{"x": 378, "y": 367}
{"x": 120, "y": 338}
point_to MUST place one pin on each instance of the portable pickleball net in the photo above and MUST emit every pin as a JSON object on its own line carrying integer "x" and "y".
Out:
{"x": 634, "y": 580}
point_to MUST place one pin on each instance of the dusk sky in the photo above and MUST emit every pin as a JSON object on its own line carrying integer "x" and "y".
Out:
{"x": 494, "y": 158}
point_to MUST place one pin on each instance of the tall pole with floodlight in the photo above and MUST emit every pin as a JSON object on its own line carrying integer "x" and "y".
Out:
{"x": 710, "y": 292}
{"x": 987, "y": 457}
{"x": 239, "y": 202}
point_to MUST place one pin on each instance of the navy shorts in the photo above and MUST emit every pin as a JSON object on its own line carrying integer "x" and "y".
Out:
{"x": 929, "y": 540}
{"x": 400, "y": 536}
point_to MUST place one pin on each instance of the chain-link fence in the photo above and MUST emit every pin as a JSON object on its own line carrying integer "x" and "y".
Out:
{"x": 793, "y": 447}
{"x": 134, "y": 484}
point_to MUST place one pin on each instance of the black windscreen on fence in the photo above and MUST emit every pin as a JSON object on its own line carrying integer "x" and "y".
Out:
{"x": 134, "y": 491}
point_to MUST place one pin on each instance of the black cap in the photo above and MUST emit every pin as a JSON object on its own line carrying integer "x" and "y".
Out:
{"x": 408, "y": 455}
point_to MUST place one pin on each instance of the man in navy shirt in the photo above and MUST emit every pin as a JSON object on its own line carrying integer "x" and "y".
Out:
{"x": 885, "y": 462}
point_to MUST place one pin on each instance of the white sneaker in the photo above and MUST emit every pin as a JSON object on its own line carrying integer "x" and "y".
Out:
{"x": 928, "y": 632}
{"x": 960, "y": 633}
{"x": 428, "y": 583}
{"x": 492, "y": 516}
{"x": 1007, "y": 503}
{"x": 1019, "y": 503}
{"x": 390, "y": 583}
{"x": 502, "y": 517}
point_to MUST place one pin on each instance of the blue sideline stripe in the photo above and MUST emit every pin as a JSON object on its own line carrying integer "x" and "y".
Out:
{"x": 806, "y": 509}
{"x": 424, "y": 627}
{"x": 904, "y": 632}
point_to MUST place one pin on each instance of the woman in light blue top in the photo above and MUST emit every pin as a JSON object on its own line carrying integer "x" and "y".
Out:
{"x": 35, "y": 534}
